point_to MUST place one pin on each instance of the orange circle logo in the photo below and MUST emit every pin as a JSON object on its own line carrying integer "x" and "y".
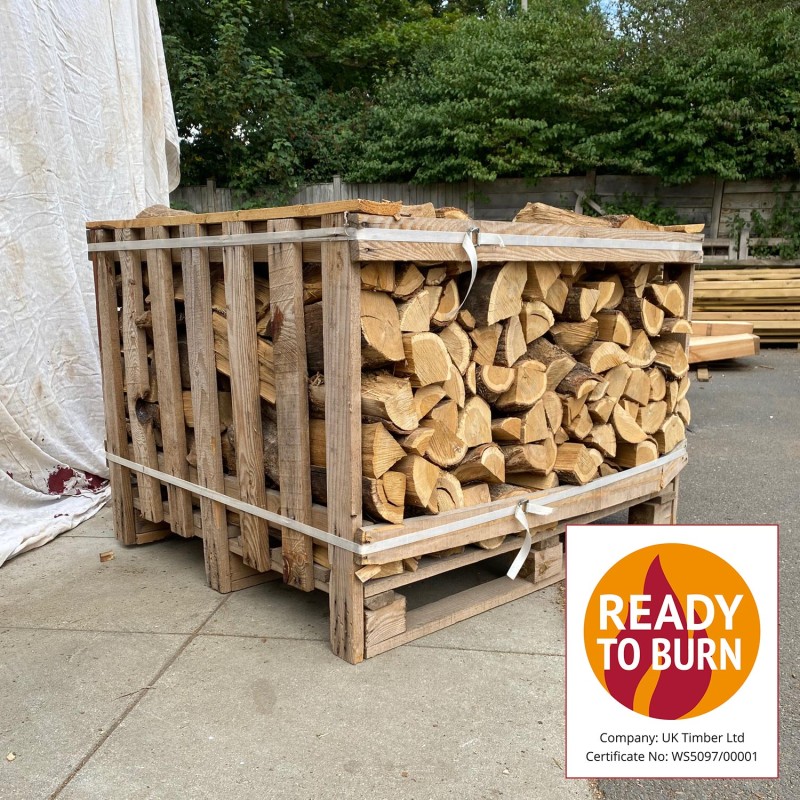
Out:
{"x": 672, "y": 631}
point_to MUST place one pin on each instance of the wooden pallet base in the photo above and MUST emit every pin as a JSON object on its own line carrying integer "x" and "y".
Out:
{"x": 387, "y": 622}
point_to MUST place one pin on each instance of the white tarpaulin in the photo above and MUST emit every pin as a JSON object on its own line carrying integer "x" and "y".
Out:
{"x": 87, "y": 131}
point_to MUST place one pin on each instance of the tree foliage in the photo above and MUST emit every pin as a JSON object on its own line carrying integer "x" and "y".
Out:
{"x": 276, "y": 93}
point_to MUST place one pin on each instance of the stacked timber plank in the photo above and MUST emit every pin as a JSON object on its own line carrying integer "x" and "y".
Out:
{"x": 717, "y": 341}
{"x": 769, "y": 297}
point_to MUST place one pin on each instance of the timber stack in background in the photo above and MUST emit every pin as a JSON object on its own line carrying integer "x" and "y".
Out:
{"x": 348, "y": 367}
{"x": 766, "y": 295}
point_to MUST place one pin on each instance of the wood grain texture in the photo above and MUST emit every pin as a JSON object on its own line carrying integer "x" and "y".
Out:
{"x": 205, "y": 410}
{"x": 113, "y": 397}
{"x": 243, "y": 353}
{"x": 289, "y": 341}
{"x": 341, "y": 283}
{"x": 257, "y": 214}
{"x": 137, "y": 376}
{"x": 168, "y": 374}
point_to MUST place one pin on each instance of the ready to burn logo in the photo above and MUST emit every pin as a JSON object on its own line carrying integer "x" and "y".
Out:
{"x": 672, "y": 631}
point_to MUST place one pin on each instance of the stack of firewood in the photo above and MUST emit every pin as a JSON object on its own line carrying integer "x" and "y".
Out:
{"x": 547, "y": 373}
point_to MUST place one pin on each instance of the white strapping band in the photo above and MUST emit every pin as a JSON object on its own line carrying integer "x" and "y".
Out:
{"x": 533, "y": 506}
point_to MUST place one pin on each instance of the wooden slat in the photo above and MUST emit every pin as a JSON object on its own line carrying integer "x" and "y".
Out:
{"x": 431, "y": 566}
{"x": 716, "y": 348}
{"x": 648, "y": 482}
{"x": 341, "y": 284}
{"x": 242, "y": 345}
{"x": 457, "y": 607}
{"x": 137, "y": 376}
{"x": 168, "y": 374}
{"x": 720, "y": 328}
{"x": 257, "y": 214}
{"x": 291, "y": 375}
{"x": 366, "y": 250}
{"x": 205, "y": 409}
{"x": 113, "y": 397}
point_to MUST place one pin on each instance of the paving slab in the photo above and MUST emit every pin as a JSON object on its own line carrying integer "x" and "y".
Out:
{"x": 273, "y": 610}
{"x": 238, "y": 717}
{"x": 61, "y": 692}
{"x": 153, "y": 588}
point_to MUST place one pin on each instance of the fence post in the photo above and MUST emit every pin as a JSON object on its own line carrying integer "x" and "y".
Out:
{"x": 716, "y": 208}
{"x": 470, "y": 198}
{"x": 744, "y": 236}
{"x": 337, "y": 187}
{"x": 211, "y": 195}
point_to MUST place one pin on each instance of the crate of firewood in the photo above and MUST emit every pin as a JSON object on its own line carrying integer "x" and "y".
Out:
{"x": 360, "y": 396}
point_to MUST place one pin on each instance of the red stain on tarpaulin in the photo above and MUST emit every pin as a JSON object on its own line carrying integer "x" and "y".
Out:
{"x": 65, "y": 480}
{"x": 677, "y": 691}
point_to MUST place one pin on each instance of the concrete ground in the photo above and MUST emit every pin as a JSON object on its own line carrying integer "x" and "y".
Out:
{"x": 132, "y": 679}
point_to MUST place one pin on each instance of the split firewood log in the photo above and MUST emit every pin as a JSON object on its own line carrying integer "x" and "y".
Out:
{"x": 496, "y": 294}
{"x": 454, "y": 386}
{"x": 536, "y": 318}
{"x": 378, "y": 276}
{"x": 613, "y": 326}
{"x": 408, "y": 279}
{"x": 671, "y": 357}
{"x": 475, "y": 422}
{"x": 667, "y": 296}
{"x": 626, "y": 426}
{"x": 458, "y": 345}
{"x": 671, "y": 433}
{"x": 574, "y": 463}
{"x": 558, "y": 362}
{"x": 638, "y": 387}
{"x": 538, "y": 457}
{"x": 485, "y": 339}
{"x": 492, "y": 381}
{"x": 416, "y": 443}
{"x": 603, "y": 438}
{"x": 484, "y": 463}
{"x": 642, "y": 314}
{"x": 449, "y": 495}
{"x": 384, "y": 397}
{"x": 421, "y": 479}
{"x": 414, "y": 313}
{"x": 640, "y": 351}
{"x": 575, "y": 336}
{"x": 511, "y": 344}
{"x": 427, "y": 398}
{"x": 447, "y": 308}
{"x": 426, "y": 359}
{"x": 379, "y": 449}
{"x": 579, "y": 304}
{"x": 541, "y": 275}
{"x": 528, "y": 385}
{"x": 633, "y": 455}
{"x": 579, "y": 382}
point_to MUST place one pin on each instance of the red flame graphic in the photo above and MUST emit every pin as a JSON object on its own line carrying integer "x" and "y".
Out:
{"x": 677, "y": 691}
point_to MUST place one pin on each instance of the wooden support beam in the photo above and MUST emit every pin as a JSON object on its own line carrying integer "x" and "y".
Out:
{"x": 205, "y": 409}
{"x": 243, "y": 351}
{"x": 137, "y": 375}
{"x": 341, "y": 281}
{"x": 168, "y": 373}
{"x": 113, "y": 393}
{"x": 289, "y": 341}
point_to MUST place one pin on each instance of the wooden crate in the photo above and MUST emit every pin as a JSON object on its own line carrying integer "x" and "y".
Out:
{"x": 250, "y": 531}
